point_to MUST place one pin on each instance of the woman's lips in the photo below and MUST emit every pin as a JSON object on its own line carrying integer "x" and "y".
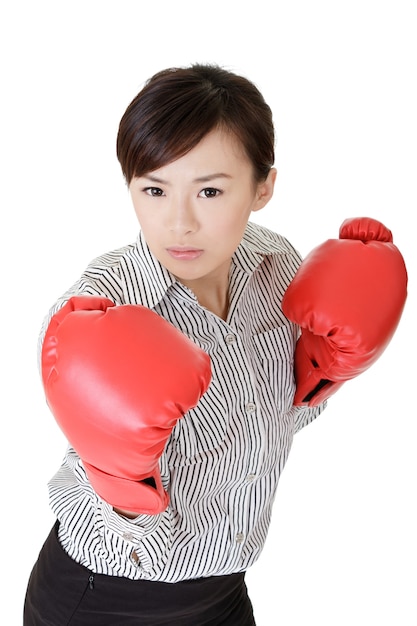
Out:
{"x": 185, "y": 254}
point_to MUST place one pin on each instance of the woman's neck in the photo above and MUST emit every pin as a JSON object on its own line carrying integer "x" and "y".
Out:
{"x": 212, "y": 292}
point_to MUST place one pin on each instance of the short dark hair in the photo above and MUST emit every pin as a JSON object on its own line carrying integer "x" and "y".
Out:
{"x": 177, "y": 107}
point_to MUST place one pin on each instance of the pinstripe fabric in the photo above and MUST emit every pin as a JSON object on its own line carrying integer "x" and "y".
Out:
{"x": 222, "y": 462}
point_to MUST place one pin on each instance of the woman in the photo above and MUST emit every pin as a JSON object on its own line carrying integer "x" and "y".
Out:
{"x": 177, "y": 439}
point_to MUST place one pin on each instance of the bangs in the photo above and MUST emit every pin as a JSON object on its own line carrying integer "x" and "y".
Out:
{"x": 178, "y": 107}
{"x": 167, "y": 131}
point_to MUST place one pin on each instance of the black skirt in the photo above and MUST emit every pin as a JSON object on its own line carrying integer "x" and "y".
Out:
{"x": 63, "y": 593}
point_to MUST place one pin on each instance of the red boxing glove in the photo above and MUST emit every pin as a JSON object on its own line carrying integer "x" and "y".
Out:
{"x": 347, "y": 296}
{"x": 117, "y": 379}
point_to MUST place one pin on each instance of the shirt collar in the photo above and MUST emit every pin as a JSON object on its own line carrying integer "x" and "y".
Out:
{"x": 257, "y": 243}
{"x": 153, "y": 279}
{"x": 246, "y": 258}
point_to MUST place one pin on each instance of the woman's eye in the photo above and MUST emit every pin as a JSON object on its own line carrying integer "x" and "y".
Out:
{"x": 153, "y": 191}
{"x": 209, "y": 192}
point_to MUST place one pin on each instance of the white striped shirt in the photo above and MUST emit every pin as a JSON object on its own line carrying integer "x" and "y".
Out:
{"x": 222, "y": 463}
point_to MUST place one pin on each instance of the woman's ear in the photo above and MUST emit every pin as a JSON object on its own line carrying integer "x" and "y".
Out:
{"x": 265, "y": 190}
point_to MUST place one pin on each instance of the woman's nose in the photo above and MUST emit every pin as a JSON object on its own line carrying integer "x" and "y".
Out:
{"x": 181, "y": 217}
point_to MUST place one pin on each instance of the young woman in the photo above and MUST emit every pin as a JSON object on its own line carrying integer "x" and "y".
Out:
{"x": 169, "y": 365}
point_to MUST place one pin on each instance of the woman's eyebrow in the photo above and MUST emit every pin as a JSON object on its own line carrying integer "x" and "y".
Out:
{"x": 209, "y": 177}
{"x": 155, "y": 179}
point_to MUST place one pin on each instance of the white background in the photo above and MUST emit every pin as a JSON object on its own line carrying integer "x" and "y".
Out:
{"x": 341, "y": 80}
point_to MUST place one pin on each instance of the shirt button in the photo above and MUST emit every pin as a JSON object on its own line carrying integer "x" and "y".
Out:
{"x": 239, "y": 538}
{"x": 135, "y": 558}
{"x": 250, "y": 407}
{"x": 230, "y": 339}
{"x": 128, "y": 536}
{"x": 250, "y": 478}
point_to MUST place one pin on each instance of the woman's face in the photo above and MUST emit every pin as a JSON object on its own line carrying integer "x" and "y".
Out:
{"x": 193, "y": 211}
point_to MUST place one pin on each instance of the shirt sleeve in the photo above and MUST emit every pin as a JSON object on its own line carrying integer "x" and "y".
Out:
{"x": 131, "y": 547}
{"x": 305, "y": 415}
{"x": 101, "y": 278}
